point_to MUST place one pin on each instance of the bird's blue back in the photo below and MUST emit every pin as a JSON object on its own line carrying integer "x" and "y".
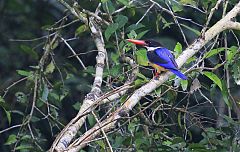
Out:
{"x": 166, "y": 55}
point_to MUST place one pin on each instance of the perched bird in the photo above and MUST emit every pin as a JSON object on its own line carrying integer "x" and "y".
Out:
{"x": 159, "y": 57}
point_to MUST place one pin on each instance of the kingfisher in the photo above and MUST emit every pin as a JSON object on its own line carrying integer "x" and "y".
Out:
{"x": 160, "y": 58}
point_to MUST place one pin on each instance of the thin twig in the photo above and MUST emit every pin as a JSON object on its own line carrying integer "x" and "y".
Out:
{"x": 178, "y": 24}
{"x": 103, "y": 132}
{"x": 31, "y": 40}
{"x": 145, "y": 14}
{"x": 12, "y": 127}
{"x": 210, "y": 16}
{"x": 34, "y": 97}
{"x": 74, "y": 53}
{"x": 13, "y": 84}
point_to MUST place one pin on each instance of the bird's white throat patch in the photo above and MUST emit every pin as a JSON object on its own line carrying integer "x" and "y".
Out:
{"x": 152, "y": 48}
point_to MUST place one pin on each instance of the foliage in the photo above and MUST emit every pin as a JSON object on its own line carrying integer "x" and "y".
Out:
{"x": 42, "y": 92}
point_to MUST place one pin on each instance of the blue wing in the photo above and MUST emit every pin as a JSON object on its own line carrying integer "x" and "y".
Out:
{"x": 166, "y": 55}
{"x": 167, "y": 61}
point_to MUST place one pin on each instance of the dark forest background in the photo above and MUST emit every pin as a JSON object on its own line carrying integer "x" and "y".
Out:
{"x": 26, "y": 27}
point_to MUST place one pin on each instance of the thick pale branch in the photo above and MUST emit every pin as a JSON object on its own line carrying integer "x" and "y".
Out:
{"x": 224, "y": 24}
{"x": 69, "y": 132}
{"x": 87, "y": 106}
{"x": 234, "y": 25}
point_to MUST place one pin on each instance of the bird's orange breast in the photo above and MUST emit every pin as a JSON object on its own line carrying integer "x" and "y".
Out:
{"x": 157, "y": 67}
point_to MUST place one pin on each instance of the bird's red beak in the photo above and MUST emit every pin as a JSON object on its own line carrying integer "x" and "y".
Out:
{"x": 137, "y": 42}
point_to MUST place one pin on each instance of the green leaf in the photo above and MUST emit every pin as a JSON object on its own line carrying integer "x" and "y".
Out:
{"x": 236, "y": 72}
{"x": 119, "y": 141}
{"x": 8, "y": 113}
{"x": 229, "y": 119}
{"x": 110, "y": 30}
{"x": 132, "y": 35}
{"x": 24, "y": 147}
{"x": 226, "y": 95}
{"x": 124, "y": 2}
{"x": 91, "y": 120}
{"x": 54, "y": 45}
{"x": 89, "y": 70}
{"x": 191, "y": 60}
{"x": 101, "y": 143}
{"x": 2, "y": 100}
{"x": 139, "y": 82}
{"x": 54, "y": 96}
{"x": 207, "y": 4}
{"x": 217, "y": 66}
{"x": 176, "y": 7}
{"x": 170, "y": 96}
{"x": 184, "y": 84}
{"x": 34, "y": 67}
{"x": 45, "y": 93}
{"x": 131, "y": 126}
{"x": 179, "y": 120}
{"x": 26, "y": 49}
{"x": 77, "y": 105}
{"x": 35, "y": 119}
{"x": 123, "y": 98}
{"x": 81, "y": 29}
{"x": 127, "y": 47}
{"x": 159, "y": 18}
{"x": 168, "y": 24}
{"x": 178, "y": 49}
{"x": 115, "y": 70}
{"x": 64, "y": 93}
{"x": 26, "y": 137}
{"x": 8, "y": 116}
{"x": 213, "y": 52}
{"x": 108, "y": 7}
{"x": 231, "y": 52}
{"x": 24, "y": 73}
{"x": 115, "y": 57}
{"x": 11, "y": 139}
{"x": 134, "y": 27}
{"x": 191, "y": 29}
{"x": 177, "y": 140}
{"x": 142, "y": 57}
{"x": 158, "y": 91}
{"x": 141, "y": 34}
{"x": 214, "y": 78}
{"x": 191, "y": 2}
{"x": 131, "y": 11}
{"x": 121, "y": 20}
{"x": 50, "y": 68}
{"x": 197, "y": 147}
{"x": 167, "y": 143}
{"x": 140, "y": 75}
{"x": 121, "y": 45}
{"x": 21, "y": 97}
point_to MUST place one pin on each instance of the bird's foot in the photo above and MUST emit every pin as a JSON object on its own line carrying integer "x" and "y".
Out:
{"x": 156, "y": 76}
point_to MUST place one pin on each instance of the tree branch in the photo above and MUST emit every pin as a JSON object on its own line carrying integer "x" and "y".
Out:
{"x": 224, "y": 24}
{"x": 69, "y": 132}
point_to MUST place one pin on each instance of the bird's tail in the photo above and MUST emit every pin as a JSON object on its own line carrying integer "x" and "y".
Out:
{"x": 179, "y": 74}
